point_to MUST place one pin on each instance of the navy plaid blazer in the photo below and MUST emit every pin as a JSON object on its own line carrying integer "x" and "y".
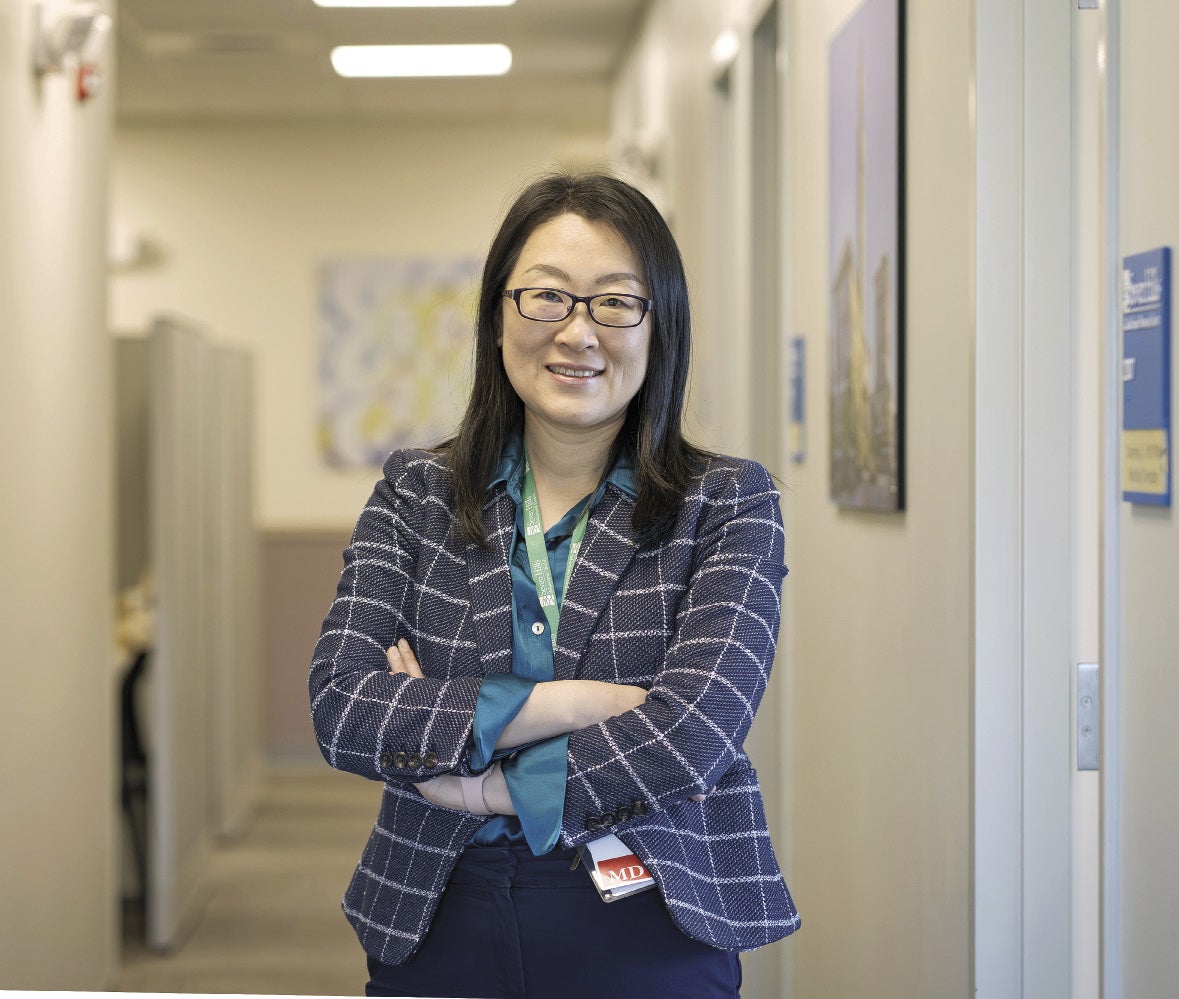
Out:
{"x": 693, "y": 619}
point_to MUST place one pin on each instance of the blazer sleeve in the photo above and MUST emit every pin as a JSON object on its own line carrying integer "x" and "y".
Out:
{"x": 691, "y": 728}
{"x": 367, "y": 721}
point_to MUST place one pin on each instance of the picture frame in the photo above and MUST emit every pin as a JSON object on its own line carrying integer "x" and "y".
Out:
{"x": 866, "y": 180}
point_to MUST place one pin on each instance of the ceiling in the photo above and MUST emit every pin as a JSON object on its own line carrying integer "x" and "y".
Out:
{"x": 225, "y": 60}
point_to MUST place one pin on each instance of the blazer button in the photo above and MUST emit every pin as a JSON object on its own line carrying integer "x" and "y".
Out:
{"x": 623, "y": 814}
{"x": 593, "y": 823}
{"x": 399, "y": 761}
{"x": 639, "y": 807}
{"x": 430, "y": 760}
{"x": 387, "y": 760}
{"x": 414, "y": 762}
{"x": 608, "y": 819}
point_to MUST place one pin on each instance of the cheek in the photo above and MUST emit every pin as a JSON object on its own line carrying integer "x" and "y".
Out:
{"x": 515, "y": 362}
{"x": 640, "y": 361}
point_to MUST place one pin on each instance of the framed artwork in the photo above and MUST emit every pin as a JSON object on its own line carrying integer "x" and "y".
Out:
{"x": 395, "y": 345}
{"x": 866, "y": 258}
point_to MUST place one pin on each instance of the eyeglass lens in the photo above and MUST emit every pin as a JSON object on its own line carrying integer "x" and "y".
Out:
{"x": 552, "y": 305}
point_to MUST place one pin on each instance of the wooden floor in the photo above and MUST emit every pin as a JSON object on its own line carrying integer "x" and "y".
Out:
{"x": 272, "y": 924}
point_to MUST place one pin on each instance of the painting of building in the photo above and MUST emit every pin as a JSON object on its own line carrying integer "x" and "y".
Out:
{"x": 865, "y": 333}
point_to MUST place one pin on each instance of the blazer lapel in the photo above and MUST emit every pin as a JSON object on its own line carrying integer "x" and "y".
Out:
{"x": 606, "y": 553}
{"x": 491, "y": 585}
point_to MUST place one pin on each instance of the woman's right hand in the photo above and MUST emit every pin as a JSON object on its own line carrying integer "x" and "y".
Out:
{"x": 402, "y": 660}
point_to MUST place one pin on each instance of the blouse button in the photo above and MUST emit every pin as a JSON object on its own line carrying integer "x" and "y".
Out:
{"x": 538, "y": 628}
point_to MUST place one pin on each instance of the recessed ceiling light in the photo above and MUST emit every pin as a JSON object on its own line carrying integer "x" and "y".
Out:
{"x": 414, "y": 3}
{"x": 725, "y": 48}
{"x": 421, "y": 60}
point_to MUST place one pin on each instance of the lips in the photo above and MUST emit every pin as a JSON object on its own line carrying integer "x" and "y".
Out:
{"x": 568, "y": 372}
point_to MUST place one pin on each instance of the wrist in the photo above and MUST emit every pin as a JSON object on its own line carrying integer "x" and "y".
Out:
{"x": 474, "y": 800}
{"x": 496, "y": 794}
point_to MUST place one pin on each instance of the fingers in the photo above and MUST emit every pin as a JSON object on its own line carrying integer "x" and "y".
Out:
{"x": 402, "y": 660}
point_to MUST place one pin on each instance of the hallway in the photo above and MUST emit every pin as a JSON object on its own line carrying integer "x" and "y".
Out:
{"x": 271, "y": 923}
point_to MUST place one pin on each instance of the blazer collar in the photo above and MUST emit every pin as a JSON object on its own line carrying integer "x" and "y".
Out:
{"x": 510, "y": 472}
{"x": 606, "y": 553}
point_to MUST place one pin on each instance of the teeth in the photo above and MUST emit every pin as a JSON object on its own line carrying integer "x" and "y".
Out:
{"x": 572, "y": 372}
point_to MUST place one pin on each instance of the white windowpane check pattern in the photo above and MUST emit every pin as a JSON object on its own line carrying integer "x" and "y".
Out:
{"x": 695, "y": 620}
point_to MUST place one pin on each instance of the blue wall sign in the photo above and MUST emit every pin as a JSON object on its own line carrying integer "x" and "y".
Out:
{"x": 798, "y": 400}
{"x": 1146, "y": 377}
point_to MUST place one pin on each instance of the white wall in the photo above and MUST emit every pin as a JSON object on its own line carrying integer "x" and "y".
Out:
{"x": 663, "y": 108}
{"x": 243, "y": 214}
{"x": 661, "y": 98}
{"x": 873, "y": 684}
{"x": 58, "y": 915}
{"x": 1150, "y": 537}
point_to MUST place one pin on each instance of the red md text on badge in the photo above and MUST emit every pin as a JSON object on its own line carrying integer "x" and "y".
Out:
{"x": 624, "y": 869}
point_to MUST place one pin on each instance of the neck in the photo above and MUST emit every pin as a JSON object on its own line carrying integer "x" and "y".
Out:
{"x": 566, "y": 466}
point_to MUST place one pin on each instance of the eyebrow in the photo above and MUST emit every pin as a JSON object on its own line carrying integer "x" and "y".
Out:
{"x": 605, "y": 279}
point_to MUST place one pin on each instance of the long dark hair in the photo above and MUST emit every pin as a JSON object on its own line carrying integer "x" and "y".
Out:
{"x": 662, "y": 460}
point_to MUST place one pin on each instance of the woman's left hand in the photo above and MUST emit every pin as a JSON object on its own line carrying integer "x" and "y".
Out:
{"x": 446, "y": 791}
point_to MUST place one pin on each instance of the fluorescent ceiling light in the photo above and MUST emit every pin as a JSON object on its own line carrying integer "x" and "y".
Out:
{"x": 414, "y": 3}
{"x": 422, "y": 60}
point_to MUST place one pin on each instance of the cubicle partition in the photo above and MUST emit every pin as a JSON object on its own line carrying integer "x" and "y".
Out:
{"x": 186, "y": 533}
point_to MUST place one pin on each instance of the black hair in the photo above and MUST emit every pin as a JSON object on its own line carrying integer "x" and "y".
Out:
{"x": 662, "y": 460}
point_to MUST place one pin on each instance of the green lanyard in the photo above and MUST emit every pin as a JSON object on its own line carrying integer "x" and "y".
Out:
{"x": 538, "y": 556}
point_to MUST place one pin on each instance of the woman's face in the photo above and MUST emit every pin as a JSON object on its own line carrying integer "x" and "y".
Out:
{"x": 576, "y": 374}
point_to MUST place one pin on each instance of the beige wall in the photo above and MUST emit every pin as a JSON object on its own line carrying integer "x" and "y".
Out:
{"x": 872, "y": 689}
{"x": 299, "y": 571}
{"x": 241, "y": 216}
{"x": 883, "y": 604}
{"x": 58, "y": 915}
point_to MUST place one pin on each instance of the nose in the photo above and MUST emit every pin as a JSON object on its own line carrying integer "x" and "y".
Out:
{"x": 579, "y": 331}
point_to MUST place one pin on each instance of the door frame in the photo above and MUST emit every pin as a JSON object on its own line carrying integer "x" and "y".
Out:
{"x": 1023, "y": 505}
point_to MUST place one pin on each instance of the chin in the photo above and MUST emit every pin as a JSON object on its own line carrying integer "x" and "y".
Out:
{"x": 580, "y": 421}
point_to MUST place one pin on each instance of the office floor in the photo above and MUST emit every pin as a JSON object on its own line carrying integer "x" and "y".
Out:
{"x": 272, "y": 922}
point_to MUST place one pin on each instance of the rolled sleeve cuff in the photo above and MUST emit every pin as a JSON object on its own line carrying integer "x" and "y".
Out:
{"x": 536, "y": 779}
{"x": 501, "y": 696}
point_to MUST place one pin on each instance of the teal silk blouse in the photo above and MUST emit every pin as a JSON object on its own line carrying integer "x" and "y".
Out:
{"x": 535, "y": 774}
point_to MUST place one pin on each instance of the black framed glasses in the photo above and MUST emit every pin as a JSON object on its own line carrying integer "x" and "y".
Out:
{"x": 551, "y": 305}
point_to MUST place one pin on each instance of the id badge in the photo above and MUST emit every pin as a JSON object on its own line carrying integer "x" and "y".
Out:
{"x": 614, "y": 869}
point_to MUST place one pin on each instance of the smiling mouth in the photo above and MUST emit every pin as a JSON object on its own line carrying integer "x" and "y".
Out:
{"x": 558, "y": 369}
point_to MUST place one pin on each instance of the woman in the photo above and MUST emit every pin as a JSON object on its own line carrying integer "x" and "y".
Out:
{"x": 568, "y": 497}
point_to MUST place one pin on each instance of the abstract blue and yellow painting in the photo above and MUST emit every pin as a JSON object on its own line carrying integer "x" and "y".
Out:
{"x": 394, "y": 361}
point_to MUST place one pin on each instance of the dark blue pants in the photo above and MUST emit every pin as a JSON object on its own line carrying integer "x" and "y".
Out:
{"x": 514, "y": 926}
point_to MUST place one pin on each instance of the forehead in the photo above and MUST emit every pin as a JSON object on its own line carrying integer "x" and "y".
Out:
{"x": 578, "y": 248}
